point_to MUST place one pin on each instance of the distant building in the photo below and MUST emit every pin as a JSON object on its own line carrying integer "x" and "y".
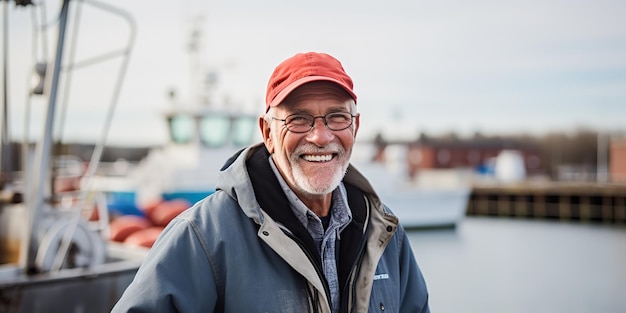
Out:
{"x": 476, "y": 153}
{"x": 617, "y": 159}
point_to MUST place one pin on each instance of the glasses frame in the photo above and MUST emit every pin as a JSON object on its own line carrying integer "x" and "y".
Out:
{"x": 323, "y": 117}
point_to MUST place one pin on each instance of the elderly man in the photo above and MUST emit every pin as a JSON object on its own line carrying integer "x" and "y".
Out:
{"x": 292, "y": 227}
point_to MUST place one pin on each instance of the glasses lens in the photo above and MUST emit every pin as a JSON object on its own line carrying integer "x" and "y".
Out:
{"x": 299, "y": 123}
{"x": 338, "y": 121}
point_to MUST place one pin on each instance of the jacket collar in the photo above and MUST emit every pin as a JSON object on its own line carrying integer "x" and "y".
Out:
{"x": 248, "y": 177}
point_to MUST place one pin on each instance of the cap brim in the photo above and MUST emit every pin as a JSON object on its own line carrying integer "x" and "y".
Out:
{"x": 287, "y": 90}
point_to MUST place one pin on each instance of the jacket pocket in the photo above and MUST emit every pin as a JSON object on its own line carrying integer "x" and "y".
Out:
{"x": 385, "y": 294}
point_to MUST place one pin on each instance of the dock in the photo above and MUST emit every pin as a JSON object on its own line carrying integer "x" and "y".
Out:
{"x": 584, "y": 202}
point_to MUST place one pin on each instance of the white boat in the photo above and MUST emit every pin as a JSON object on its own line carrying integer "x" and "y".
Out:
{"x": 53, "y": 256}
{"x": 203, "y": 133}
{"x": 434, "y": 198}
{"x": 203, "y": 138}
{"x": 188, "y": 165}
{"x": 187, "y": 168}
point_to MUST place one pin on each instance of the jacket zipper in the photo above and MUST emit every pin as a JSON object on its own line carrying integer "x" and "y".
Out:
{"x": 357, "y": 269}
{"x": 317, "y": 267}
{"x": 357, "y": 265}
{"x": 313, "y": 299}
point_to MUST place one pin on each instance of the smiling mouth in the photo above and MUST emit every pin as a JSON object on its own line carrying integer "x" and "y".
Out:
{"x": 317, "y": 158}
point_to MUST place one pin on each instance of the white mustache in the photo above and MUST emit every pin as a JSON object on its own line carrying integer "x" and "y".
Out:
{"x": 313, "y": 149}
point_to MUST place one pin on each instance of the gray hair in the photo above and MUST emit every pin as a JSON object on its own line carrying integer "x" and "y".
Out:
{"x": 269, "y": 115}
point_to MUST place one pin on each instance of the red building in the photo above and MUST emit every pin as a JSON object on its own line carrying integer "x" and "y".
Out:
{"x": 617, "y": 160}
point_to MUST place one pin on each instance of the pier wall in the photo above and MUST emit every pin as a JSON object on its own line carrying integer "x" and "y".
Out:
{"x": 602, "y": 203}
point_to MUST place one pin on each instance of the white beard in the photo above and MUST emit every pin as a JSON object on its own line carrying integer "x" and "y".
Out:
{"x": 314, "y": 186}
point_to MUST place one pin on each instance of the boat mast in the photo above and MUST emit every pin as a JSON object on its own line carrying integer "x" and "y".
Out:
{"x": 35, "y": 196}
{"x": 4, "y": 148}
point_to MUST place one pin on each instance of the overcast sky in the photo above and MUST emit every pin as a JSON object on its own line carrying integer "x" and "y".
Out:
{"x": 418, "y": 66}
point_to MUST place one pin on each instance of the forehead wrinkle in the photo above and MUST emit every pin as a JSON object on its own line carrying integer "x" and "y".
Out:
{"x": 317, "y": 90}
{"x": 297, "y": 98}
{"x": 329, "y": 109}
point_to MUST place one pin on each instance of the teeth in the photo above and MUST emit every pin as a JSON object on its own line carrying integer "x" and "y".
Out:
{"x": 318, "y": 158}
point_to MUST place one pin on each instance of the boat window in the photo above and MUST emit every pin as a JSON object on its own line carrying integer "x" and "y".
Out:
{"x": 243, "y": 129}
{"x": 214, "y": 130}
{"x": 181, "y": 128}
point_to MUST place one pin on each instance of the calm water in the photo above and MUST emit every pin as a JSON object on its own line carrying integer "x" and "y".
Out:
{"x": 508, "y": 265}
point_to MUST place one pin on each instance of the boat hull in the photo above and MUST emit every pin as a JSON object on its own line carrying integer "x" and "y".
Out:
{"x": 70, "y": 290}
{"x": 426, "y": 208}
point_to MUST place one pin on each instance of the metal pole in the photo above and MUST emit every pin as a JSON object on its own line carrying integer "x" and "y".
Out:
{"x": 41, "y": 162}
{"x": 5, "y": 148}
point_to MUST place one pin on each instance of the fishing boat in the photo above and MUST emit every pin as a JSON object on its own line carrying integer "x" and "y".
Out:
{"x": 55, "y": 255}
{"x": 174, "y": 176}
{"x": 203, "y": 132}
{"x": 185, "y": 170}
{"x": 201, "y": 139}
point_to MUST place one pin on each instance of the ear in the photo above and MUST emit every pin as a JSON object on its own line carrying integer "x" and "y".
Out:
{"x": 266, "y": 133}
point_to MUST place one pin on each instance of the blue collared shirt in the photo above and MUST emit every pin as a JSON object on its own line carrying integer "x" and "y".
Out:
{"x": 325, "y": 240}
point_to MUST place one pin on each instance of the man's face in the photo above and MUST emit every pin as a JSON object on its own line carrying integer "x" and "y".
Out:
{"x": 312, "y": 163}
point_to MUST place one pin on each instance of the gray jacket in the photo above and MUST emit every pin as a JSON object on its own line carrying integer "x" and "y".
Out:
{"x": 238, "y": 250}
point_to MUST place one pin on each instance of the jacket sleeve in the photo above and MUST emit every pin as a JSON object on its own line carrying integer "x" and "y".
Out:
{"x": 175, "y": 276}
{"x": 414, "y": 293}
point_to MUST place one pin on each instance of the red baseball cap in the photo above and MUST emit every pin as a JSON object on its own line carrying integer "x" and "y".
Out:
{"x": 304, "y": 68}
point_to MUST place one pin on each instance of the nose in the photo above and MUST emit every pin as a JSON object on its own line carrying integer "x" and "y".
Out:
{"x": 320, "y": 135}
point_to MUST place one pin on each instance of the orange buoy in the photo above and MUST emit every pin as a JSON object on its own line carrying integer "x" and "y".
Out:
{"x": 123, "y": 226}
{"x": 145, "y": 237}
{"x": 166, "y": 211}
{"x": 147, "y": 207}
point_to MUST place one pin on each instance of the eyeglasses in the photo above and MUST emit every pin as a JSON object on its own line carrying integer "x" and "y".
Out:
{"x": 301, "y": 122}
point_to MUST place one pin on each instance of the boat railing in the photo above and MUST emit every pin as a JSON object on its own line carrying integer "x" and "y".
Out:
{"x": 47, "y": 179}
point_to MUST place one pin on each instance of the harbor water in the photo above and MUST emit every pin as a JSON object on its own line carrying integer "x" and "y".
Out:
{"x": 523, "y": 265}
